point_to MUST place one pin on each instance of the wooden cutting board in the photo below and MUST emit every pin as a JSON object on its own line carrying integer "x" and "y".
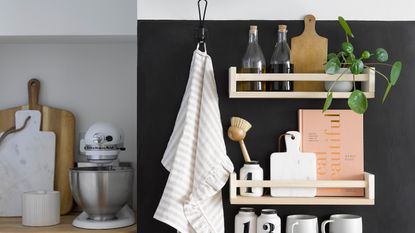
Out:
{"x": 62, "y": 123}
{"x": 27, "y": 162}
{"x": 293, "y": 165}
{"x": 308, "y": 54}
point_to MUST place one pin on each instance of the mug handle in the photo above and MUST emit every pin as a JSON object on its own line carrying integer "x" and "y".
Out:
{"x": 323, "y": 225}
{"x": 292, "y": 226}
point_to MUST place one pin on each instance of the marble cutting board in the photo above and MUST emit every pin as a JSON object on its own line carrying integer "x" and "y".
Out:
{"x": 27, "y": 162}
{"x": 293, "y": 165}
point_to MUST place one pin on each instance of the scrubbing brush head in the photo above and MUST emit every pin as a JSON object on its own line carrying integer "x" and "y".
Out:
{"x": 240, "y": 123}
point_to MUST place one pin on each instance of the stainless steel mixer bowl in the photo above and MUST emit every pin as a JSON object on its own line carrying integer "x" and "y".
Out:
{"x": 101, "y": 191}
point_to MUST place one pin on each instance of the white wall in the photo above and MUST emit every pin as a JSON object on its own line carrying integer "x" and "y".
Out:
{"x": 97, "y": 81}
{"x": 68, "y": 17}
{"x": 279, "y": 9}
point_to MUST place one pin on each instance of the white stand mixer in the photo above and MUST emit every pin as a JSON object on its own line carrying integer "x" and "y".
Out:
{"x": 102, "y": 191}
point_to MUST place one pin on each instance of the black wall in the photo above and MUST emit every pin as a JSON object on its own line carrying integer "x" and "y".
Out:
{"x": 164, "y": 54}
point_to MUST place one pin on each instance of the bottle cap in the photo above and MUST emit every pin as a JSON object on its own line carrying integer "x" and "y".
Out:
{"x": 282, "y": 28}
{"x": 252, "y": 162}
{"x": 246, "y": 209}
{"x": 253, "y": 28}
{"x": 268, "y": 211}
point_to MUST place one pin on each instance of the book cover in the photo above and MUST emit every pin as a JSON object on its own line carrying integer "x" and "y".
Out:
{"x": 336, "y": 136}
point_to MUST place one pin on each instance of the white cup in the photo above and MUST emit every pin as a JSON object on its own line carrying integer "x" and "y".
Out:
{"x": 302, "y": 224}
{"x": 343, "y": 223}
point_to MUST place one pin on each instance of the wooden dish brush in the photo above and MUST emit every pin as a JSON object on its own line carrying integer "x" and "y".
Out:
{"x": 237, "y": 132}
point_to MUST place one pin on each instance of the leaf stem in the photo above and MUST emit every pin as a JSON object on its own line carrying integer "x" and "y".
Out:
{"x": 344, "y": 59}
{"x": 381, "y": 74}
{"x": 377, "y": 63}
{"x": 354, "y": 83}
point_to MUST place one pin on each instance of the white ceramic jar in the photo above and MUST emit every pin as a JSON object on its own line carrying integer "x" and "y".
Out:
{"x": 268, "y": 222}
{"x": 340, "y": 86}
{"x": 246, "y": 220}
{"x": 251, "y": 171}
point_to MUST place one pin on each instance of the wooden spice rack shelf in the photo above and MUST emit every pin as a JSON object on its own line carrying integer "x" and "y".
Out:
{"x": 367, "y": 79}
{"x": 368, "y": 184}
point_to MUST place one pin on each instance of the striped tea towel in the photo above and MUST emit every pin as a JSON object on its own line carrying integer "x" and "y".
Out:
{"x": 196, "y": 157}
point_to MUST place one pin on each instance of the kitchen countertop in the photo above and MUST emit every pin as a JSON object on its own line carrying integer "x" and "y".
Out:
{"x": 13, "y": 225}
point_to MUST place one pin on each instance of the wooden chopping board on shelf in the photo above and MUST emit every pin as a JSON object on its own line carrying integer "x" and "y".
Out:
{"x": 308, "y": 54}
{"x": 62, "y": 123}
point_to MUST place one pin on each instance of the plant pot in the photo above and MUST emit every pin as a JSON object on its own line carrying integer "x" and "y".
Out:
{"x": 340, "y": 86}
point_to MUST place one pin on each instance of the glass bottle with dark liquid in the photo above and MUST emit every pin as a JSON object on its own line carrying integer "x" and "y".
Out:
{"x": 280, "y": 62}
{"x": 253, "y": 61}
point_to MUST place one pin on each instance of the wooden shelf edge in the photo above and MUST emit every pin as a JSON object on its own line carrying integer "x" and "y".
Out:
{"x": 291, "y": 95}
{"x": 368, "y": 199}
{"x": 367, "y": 79}
{"x": 268, "y": 200}
{"x": 363, "y": 77}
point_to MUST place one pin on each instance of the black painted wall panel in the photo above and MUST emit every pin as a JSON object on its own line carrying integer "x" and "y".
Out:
{"x": 164, "y": 54}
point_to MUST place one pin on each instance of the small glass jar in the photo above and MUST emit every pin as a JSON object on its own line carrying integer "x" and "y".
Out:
{"x": 251, "y": 171}
{"x": 245, "y": 220}
{"x": 268, "y": 221}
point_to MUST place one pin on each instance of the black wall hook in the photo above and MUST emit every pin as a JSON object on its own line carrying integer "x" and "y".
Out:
{"x": 202, "y": 31}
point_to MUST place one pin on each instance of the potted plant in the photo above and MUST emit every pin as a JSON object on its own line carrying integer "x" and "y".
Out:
{"x": 347, "y": 59}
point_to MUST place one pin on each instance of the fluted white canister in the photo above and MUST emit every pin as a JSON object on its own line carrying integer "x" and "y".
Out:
{"x": 41, "y": 208}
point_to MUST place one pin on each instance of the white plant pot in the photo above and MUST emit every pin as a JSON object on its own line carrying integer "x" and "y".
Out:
{"x": 340, "y": 86}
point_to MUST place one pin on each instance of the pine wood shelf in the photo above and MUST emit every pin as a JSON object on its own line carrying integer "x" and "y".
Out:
{"x": 367, "y": 78}
{"x": 14, "y": 225}
{"x": 368, "y": 184}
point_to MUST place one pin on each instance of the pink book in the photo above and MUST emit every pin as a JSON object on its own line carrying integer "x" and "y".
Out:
{"x": 336, "y": 136}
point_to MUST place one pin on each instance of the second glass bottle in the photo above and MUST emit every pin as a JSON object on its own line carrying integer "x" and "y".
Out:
{"x": 280, "y": 62}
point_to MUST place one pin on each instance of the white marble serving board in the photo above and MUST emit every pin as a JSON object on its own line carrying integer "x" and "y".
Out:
{"x": 27, "y": 162}
{"x": 293, "y": 165}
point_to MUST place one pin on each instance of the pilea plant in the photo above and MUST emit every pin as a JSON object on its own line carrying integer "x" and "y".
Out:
{"x": 346, "y": 58}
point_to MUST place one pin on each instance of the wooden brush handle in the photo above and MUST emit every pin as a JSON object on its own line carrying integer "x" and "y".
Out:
{"x": 244, "y": 151}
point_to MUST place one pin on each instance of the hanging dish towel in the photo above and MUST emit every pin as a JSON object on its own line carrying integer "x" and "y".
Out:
{"x": 196, "y": 157}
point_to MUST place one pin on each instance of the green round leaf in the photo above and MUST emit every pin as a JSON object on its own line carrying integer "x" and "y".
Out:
{"x": 395, "y": 72}
{"x": 358, "y": 102}
{"x": 381, "y": 55}
{"x": 330, "y": 56}
{"x": 332, "y": 66}
{"x": 350, "y": 58}
{"x": 357, "y": 66}
{"x": 365, "y": 54}
{"x": 347, "y": 47}
{"x": 328, "y": 101}
{"x": 345, "y": 26}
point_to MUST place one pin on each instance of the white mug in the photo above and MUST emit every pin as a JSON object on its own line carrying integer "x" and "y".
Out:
{"x": 343, "y": 223}
{"x": 302, "y": 224}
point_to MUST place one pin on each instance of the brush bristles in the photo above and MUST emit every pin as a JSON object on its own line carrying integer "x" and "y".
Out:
{"x": 240, "y": 123}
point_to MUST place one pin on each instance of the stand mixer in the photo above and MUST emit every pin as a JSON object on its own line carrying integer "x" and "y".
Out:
{"x": 103, "y": 190}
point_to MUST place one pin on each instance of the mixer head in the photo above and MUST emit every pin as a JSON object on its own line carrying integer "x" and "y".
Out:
{"x": 102, "y": 143}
